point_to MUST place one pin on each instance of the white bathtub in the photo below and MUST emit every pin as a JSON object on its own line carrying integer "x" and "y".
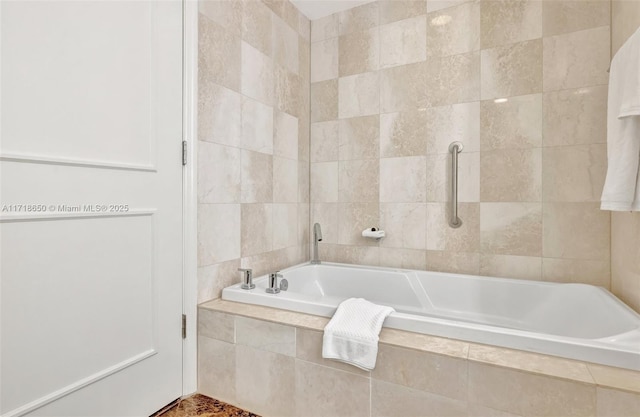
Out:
{"x": 574, "y": 321}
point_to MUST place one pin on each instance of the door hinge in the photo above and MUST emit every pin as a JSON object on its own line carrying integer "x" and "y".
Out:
{"x": 184, "y": 326}
{"x": 184, "y": 152}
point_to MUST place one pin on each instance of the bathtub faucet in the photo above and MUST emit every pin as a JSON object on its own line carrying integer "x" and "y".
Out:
{"x": 317, "y": 237}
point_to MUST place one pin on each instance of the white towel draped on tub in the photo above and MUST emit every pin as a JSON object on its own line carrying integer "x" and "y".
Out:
{"x": 622, "y": 187}
{"x": 352, "y": 334}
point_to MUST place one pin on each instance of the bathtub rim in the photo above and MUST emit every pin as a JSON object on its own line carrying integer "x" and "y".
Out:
{"x": 602, "y": 376}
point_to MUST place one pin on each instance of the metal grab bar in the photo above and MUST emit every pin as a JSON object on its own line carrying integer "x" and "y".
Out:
{"x": 455, "y": 148}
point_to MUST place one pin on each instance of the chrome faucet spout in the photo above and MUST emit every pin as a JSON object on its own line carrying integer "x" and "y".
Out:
{"x": 317, "y": 237}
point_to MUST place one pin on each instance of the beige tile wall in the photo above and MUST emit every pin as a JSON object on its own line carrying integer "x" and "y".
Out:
{"x": 253, "y": 131}
{"x": 394, "y": 82}
{"x": 625, "y": 227}
{"x": 277, "y": 369}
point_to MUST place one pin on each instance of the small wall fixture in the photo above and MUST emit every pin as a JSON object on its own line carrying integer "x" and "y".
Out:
{"x": 373, "y": 233}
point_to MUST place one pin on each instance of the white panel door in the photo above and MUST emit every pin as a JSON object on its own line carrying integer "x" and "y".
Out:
{"x": 91, "y": 199}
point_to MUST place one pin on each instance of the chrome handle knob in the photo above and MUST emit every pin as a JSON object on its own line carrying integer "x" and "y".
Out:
{"x": 247, "y": 279}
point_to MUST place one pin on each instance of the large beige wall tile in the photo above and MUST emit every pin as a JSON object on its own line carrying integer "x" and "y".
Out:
{"x": 257, "y": 229}
{"x": 285, "y": 135}
{"x": 358, "y": 95}
{"x": 457, "y": 122}
{"x": 625, "y": 21}
{"x": 359, "y": 52}
{"x": 257, "y": 126}
{"x": 439, "y": 177}
{"x": 285, "y": 225}
{"x": 396, "y": 400}
{"x": 625, "y": 257}
{"x": 405, "y": 225}
{"x": 510, "y": 266}
{"x": 265, "y": 381}
{"x": 324, "y": 141}
{"x": 304, "y": 138}
{"x": 257, "y": 76}
{"x": 224, "y": 13}
{"x": 512, "y": 70}
{"x": 359, "y": 138}
{"x": 574, "y": 173}
{"x": 219, "y": 114}
{"x": 424, "y": 371}
{"x": 309, "y": 349}
{"x": 571, "y": 16}
{"x": 285, "y": 45}
{"x": 403, "y": 88}
{"x": 324, "y": 101}
{"x": 359, "y": 18}
{"x": 576, "y": 59}
{"x": 304, "y": 62}
{"x": 353, "y": 218}
{"x": 217, "y": 369}
{"x": 324, "y": 182}
{"x": 512, "y": 124}
{"x": 402, "y": 180}
{"x": 403, "y": 258}
{"x": 454, "y": 31}
{"x": 510, "y": 21}
{"x": 403, "y": 42}
{"x": 434, "y": 5}
{"x": 212, "y": 279}
{"x": 359, "y": 255}
{"x": 475, "y": 410}
{"x": 403, "y": 133}
{"x": 304, "y": 217}
{"x": 285, "y": 10}
{"x": 454, "y": 262}
{"x": 218, "y": 233}
{"x": 289, "y": 92}
{"x": 511, "y": 175}
{"x": 575, "y": 231}
{"x": 453, "y": 79}
{"x": 511, "y": 228}
{"x": 257, "y": 177}
{"x": 304, "y": 186}
{"x": 324, "y": 55}
{"x": 574, "y": 117}
{"x": 578, "y": 271}
{"x": 325, "y": 28}
{"x": 264, "y": 335}
{"x": 503, "y": 389}
{"x": 441, "y": 237}
{"x": 256, "y": 25}
{"x": 358, "y": 181}
{"x": 393, "y": 10}
{"x": 617, "y": 403}
{"x": 218, "y": 173}
{"x": 285, "y": 180}
{"x": 215, "y": 325}
{"x": 327, "y": 215}
{"x": 219, "y": 58}
{"x": 316, "y": 385}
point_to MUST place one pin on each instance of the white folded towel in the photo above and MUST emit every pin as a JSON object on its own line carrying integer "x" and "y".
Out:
{"x": 352, "y": 334}
{"x": 622, "y": 187}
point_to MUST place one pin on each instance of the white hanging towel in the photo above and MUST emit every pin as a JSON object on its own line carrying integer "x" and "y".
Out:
{"x": 622, "y": 187}
{"x": 352, "y": 334}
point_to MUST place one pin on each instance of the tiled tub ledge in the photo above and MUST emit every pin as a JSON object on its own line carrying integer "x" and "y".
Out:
{"x": 269, "y": 361}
